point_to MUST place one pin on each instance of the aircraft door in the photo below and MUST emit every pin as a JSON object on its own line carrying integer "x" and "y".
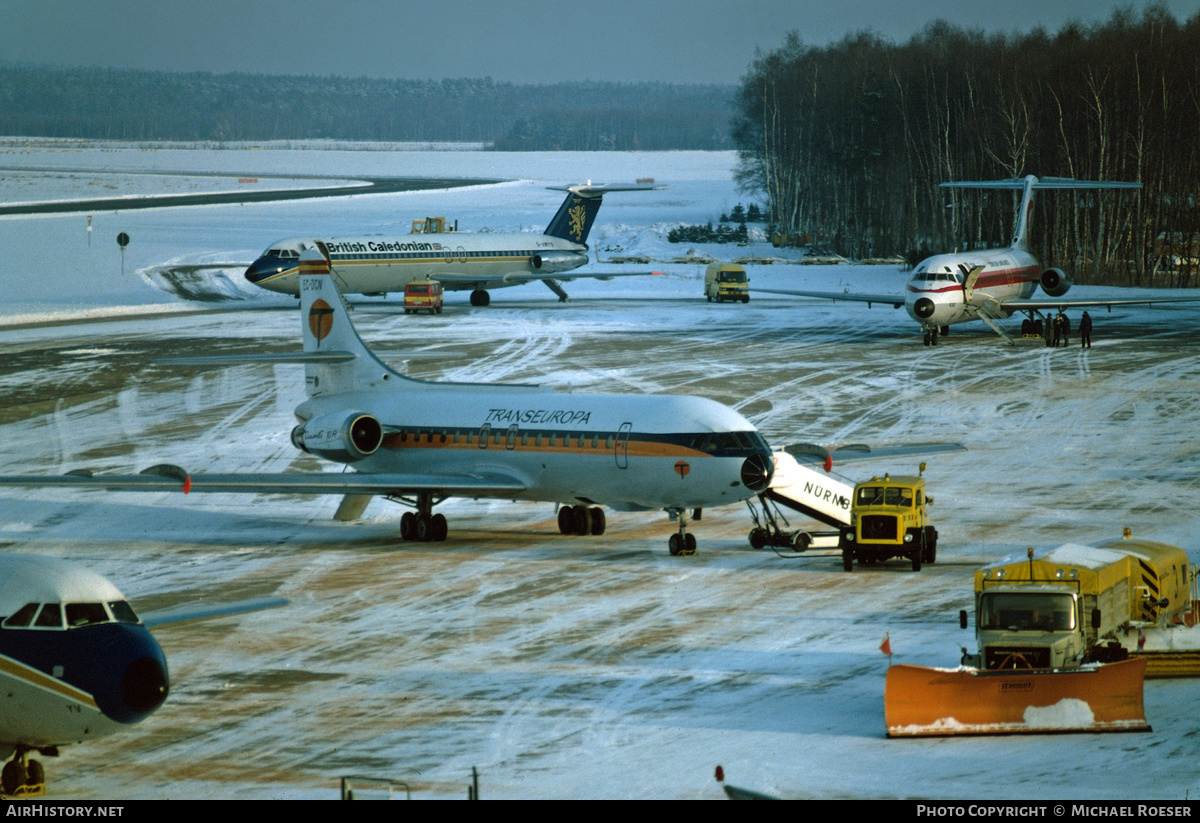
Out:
{"x": 485, "y": 431}
{"x": 621, "y": 449}
{"x": 324, "y": 249}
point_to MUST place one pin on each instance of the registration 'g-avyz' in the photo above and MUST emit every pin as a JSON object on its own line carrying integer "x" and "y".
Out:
{"x": 420, "y": 442}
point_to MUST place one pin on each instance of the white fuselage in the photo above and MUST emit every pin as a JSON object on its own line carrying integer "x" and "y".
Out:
{"x": 627, "y": 452}
{"x": 379, "y": 264}
{"x": 938, "y": 295}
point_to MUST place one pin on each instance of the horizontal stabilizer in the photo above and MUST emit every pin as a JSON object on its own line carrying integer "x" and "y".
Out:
{"x": 298, "y": 357}
{"x": 1019, "y": 183}
{"x": 589, "y": 190}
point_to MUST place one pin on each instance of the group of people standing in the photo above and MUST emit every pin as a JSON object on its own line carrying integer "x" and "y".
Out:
{"x": 1058, "y": 330}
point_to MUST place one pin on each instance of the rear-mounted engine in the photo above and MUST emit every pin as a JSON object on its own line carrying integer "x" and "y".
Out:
{"x": 341, "y": 437}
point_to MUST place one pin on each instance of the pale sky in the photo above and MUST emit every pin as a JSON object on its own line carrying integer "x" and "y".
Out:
{"x": 524, "y": 41}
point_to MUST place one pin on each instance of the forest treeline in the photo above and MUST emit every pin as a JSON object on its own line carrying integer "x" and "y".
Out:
{"x": 849, "y": 142}
{"x": 131, "y": 104}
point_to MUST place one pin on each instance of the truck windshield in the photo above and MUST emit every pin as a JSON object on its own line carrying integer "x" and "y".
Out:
{"x": 884, "y": 496}
{"x": 732, "y": 277}
{"x": 1015, "y": 611}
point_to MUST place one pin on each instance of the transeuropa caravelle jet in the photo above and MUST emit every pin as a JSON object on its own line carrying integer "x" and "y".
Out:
{"x": 990, "y": 284}
{"x": 378, "y": 264}
{"x": 76, "y": 662}
{"x": 421, "y": 442}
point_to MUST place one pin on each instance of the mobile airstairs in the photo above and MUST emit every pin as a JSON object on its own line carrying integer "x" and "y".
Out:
{"x": 814, "y": 491}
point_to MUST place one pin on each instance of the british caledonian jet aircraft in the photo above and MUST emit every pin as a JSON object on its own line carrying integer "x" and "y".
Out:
{"x": 421, "y": 442}
{"x": 990, "y": 284}
{"x": 380, "y": 264}
{"x": 76, "y": 662}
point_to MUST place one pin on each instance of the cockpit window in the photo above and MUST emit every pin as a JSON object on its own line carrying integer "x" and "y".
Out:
{"x": 22, "y": 617}
{"x": 85, "y": 614}
{"x": 50, "y": 617}
{"x": 122, "y": 612}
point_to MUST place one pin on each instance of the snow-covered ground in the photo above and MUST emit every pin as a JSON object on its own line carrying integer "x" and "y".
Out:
{"x": 562, "y": 666}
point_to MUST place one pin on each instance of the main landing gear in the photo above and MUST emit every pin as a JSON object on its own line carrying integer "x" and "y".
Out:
{"x": 23, "y": 777}
{"x": 581, "y": 520}
{"x": 423, "y": 525}
{"x": 480, "y": 297}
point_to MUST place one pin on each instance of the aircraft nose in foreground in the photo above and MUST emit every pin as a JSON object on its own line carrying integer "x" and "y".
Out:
{"x": 757, "y": 471}
{"x": 135, "y": 681}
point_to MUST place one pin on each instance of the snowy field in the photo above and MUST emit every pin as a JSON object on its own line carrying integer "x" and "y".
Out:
{"x": 561, "y": 667}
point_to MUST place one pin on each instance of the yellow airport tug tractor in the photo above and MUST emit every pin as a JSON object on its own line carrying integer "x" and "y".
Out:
{"x": 888, "y": 519}
{"x": 1066, "y": 638}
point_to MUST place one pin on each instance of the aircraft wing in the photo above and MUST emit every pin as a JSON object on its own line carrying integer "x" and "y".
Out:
{"x": 165, "y": 478}
{"x": 566, "y": 277}
{"x": 893, "y": 300}
{"x": 814, "y": 453}
{"x": 206, "y": 611}
{"x": 1047, "y": 305}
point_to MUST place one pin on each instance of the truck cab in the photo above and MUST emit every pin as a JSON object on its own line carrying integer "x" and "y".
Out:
{"x": 1039, "y": 626}
{"x": 888, "y": 519}
{"x": 423, "y": 295}
{"x": 1075, "y": 604}
{"x": 726, "y": 281}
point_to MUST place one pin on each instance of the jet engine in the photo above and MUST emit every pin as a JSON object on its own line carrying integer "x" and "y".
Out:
{"x": 341, "y": 437}
{"x": 552, "y": 262}
{"x": 1055, "y": 282}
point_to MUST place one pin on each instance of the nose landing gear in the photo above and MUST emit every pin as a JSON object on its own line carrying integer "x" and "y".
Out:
{"x": 683, "y": 542}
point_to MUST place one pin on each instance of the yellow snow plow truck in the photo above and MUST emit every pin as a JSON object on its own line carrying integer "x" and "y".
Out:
{"x": 1062, "y": 644}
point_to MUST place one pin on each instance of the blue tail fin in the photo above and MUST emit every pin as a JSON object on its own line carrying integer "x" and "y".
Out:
{"x": 575, "y": 216}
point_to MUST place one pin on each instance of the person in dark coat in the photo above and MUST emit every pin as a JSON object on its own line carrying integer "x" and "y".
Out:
{"x": 1085, "y": 331}
{"x": 1066, "y": 329}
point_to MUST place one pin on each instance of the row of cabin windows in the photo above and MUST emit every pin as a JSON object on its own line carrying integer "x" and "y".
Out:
{"x": 444, "y": 254}
{"x": 709, "y": 443}
{"x": 70, "y": 616}
{"x": 511, "y": 438}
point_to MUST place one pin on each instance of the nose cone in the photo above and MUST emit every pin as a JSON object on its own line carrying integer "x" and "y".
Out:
{"x": 264, "y": 267}
{"x": 144, "y": 687}
{"x": 757, "y": 471}
{"x": 135, "y": 683}
{"x": 923, "y": 308}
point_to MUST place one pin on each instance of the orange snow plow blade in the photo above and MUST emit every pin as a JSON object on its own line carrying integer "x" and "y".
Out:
{"x": 920, "y": 702}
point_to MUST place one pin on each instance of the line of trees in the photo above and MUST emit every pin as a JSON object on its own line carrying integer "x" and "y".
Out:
{"x": 132, "y": 104}
{"x": 849, "y": 142}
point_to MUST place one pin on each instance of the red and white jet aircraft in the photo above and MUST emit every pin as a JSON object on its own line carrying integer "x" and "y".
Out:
{"x": 989, "y": 284}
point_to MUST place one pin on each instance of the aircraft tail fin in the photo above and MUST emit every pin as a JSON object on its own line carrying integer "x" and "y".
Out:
{"x": 1028, "y": 185}
{"x": 335, "y": 357}
{"x": 575, "y": 216}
